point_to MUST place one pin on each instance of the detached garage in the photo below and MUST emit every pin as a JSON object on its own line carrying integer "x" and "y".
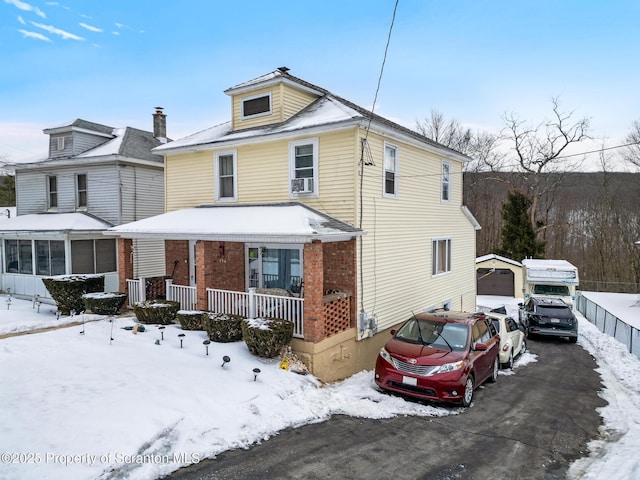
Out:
{"x": 496, "y": 275}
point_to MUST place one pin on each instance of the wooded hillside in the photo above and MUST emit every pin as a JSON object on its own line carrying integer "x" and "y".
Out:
{"x": 589, "y": 219}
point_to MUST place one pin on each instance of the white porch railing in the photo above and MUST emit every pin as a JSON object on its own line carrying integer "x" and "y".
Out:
{"x": 136, "y": 291}
{"x": 254, "y": 305}
{"x": 183, "y": 294}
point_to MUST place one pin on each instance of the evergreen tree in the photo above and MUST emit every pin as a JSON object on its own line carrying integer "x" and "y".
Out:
{"x": 518, "y": 237}
{"x": 7, "y": 191}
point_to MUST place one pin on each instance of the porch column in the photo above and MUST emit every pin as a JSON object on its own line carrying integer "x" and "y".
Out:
{"x": 203, "y": 259}
{"x": 125, "y": 262}
{"x": 313, "y": 292}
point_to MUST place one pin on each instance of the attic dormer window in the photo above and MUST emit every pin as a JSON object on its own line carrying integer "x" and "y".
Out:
{"x": 60, "y": 145}
{"x": 256, "y": 106}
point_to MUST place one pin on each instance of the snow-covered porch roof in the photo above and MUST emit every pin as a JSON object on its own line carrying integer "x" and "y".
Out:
{"x": 290, "y": 222}
{"x": 52, "y": 223}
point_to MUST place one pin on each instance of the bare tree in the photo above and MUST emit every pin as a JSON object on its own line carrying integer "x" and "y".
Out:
{"x": 540, "y": 150}
{"x": 482, "y": 147}
{"x": 632, "y": 152}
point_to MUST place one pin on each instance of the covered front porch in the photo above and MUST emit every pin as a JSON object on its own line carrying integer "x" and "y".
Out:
{"x": 285, "y": 261}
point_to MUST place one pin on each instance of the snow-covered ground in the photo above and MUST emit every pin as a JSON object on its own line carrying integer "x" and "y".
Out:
{"x": 96, "y": 401}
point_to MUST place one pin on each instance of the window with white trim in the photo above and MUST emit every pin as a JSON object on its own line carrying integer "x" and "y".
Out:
{"x": 81, "y": 190}
{"x": 226, "y": 178}
{"x": 446, "y": 182}
{"x": 60, "y": 143}
{"x": 256, "y": 105}
{"x": 390, "y": 188}
{"x": 52, "y": 192}
{"x": 441, "y": 256}
{"x": 303, "y": 167}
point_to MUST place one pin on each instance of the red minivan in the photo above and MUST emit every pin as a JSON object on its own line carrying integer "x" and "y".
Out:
{"x": 440, "y": 356}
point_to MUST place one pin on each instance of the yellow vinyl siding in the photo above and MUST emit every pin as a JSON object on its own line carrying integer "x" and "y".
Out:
{"x": 397, "y": 248}
{"x": 189, "y": 180}
{"x": 294, "y": 100}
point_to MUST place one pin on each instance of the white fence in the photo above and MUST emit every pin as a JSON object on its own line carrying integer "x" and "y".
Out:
{"x": 255, "y": 305}
{"x": 610, "y": 324}
{"x": 183, "y": 294}
{"x": 136, "y": 291}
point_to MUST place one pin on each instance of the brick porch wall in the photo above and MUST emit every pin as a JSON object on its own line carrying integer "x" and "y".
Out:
{"x": 339, "y": 260}
{"x": 177, "y": 250}
{"x": 125, "y": 262}
{"x": 221, "y": 265}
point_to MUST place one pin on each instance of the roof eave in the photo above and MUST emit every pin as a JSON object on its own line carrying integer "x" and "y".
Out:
{"x": 332, "y": 127}
{"x": 323, "y": 237}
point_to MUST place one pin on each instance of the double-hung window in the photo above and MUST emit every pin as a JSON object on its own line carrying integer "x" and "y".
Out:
{"x": 225, "y": 169}
{"x": 441, "y": 256}
{"x": 390, "y": 170}
{"x": 303, "y": 167}
{"x": 446, "y": 182}
{"x": 52, "y": 192}
{"x": 81, "y": 190}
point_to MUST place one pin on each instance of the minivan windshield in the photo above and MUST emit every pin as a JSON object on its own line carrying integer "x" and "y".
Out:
{"x": 434, "y": 333}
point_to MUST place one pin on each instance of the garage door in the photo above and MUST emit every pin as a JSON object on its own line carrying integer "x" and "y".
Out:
{"x": 499, "y": 282}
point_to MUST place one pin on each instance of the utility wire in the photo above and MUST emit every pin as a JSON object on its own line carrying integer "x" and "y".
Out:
{"x": 364, "y": 143}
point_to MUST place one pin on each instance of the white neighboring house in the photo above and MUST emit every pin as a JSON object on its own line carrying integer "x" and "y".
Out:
{"x": 94, "y": 178}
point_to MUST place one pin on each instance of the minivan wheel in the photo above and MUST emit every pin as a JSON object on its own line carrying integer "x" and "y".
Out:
{"x": 468, "y": 392}
{"x": 496, "y": 366}
{"x": 523, "y": 347}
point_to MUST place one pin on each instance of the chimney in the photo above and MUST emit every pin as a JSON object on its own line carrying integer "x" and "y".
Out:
{"x": 160, "y": 125}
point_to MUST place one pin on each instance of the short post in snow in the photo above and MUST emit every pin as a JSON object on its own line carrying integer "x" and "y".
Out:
{"x": 206, "y": 345}
{"x": 225, "y": 360}
{"x": 181, "y": 337}
{"x": 256, "y": 371}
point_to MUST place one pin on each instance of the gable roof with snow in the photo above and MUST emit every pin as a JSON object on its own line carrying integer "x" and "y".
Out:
{"x": 286, "y": 222}
{"x": 327, "y": 113}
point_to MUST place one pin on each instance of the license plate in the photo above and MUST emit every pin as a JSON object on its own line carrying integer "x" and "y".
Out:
{"x": 555, "y": 320}
{"x": 410, "y": 380}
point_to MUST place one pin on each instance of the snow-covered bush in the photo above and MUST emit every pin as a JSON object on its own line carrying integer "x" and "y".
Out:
{"x": 161, "y": 312}
{"x": 67, "y": 290}
{"x": 102, "y": 303}
{"x": 223, "y": 327}
{"x": 191, "y": 319}
{"x": 265, "y": 337}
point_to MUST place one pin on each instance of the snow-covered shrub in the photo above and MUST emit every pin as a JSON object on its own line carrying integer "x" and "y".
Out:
{"x": 102, "y": 303}
{"x": 223, "y": 327}
{"x": 67, "y": 290}
{"x": 265, "y": 337}
{"x": 161, "y": 312}
{"x": 191, "y": 319}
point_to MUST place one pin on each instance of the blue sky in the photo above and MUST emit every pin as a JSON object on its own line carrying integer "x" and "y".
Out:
{"x": 113, "y": 61}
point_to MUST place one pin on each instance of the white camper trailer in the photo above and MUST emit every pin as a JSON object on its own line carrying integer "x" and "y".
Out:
{"x": 550, "y": 278}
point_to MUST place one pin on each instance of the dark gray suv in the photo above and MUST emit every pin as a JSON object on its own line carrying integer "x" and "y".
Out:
{"x": 550, "y": 317}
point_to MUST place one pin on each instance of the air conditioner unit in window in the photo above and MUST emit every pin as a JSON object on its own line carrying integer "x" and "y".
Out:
{"x": 302, "y": 185}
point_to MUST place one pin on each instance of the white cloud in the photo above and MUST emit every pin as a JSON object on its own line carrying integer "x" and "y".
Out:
{"x": 21, "y": 20}
{"x": 35, "y": 35}
{"x": 26, "y": 7}
{"x": 90, "y": 27}
{"x": 57, "y": 31}
{"x": 116, "y": 33}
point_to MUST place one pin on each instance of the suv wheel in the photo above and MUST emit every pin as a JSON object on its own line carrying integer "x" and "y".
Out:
{"x": 468, "y": 392}
{"x": 573, "y": 339}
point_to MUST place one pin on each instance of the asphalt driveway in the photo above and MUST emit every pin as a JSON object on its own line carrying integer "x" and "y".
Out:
{"x": 530, "y": 425}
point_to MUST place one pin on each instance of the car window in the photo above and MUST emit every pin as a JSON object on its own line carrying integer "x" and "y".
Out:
{"x": 511, "y": 324}
{"x": 431, "y": 332}
{"x": 483, "y": 331}
{"x": 551, "y": 310}
{"x": 496, "y": 324}
{"x": 493, "y": 331}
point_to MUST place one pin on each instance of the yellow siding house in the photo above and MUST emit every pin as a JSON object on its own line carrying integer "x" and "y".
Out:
{"x": 306, "y": 195}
